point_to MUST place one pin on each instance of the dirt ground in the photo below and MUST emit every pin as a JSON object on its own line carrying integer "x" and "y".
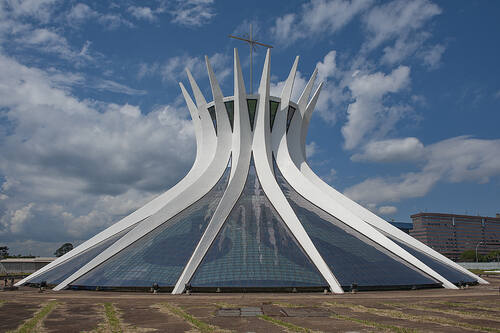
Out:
{"x": 474, "y": 309}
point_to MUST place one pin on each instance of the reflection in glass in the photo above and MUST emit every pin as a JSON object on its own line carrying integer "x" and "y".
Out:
{"x": 449, "y": 273}
{"x": 252, "y": 106}
{"x": 211, "y": 110}
{"x": 291, "y": 112}
{"x": 273, "y": 107}
{"x": 230, "y": 112}
{"x": 255, "y": 248}
{"x": 161, "y": 255}
{"x": 64, "y": 270}
{"x": 352, "y": 257}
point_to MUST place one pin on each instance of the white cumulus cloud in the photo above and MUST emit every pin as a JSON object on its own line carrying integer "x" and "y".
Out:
{"x": 453, "y": 160}
{"x": 317, "y": 17}
{"x": 368, "y": 112}
{"x": 391, "y": 150}
{"x": 72, "y": 167}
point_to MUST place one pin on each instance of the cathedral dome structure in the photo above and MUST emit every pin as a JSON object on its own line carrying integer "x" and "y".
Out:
{"x": 251, "y": 215}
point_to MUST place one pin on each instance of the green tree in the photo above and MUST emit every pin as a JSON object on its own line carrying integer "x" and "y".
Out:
{"x": 468, "y": 255}
{"x": 65, "y": 248}
{"x": 493, "y": 256}
{"x": 4, "y": 252}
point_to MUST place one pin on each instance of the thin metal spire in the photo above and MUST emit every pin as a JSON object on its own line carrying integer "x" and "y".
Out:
{"x": 253, "y": 44}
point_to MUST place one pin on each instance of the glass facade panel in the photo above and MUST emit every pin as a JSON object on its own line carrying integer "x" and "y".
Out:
{"x": 291, "y": 112}
{"x": 449, "y": 273}
{"x": 211, "y": 110}
{"x": 255, "y": 249}
{"x": 64, "y": 270}
{"x": 352, "y": 257}
{"x": 252, "y": 106}
{"x": 161, "y": 255}
{"x": 230, "y": 112}
{"x": 273, "y": 107}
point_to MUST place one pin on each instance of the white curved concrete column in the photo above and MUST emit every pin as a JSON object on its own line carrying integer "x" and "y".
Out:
{"x": 309, "y": 190}
{"x": 194, "y": 191}
{"x": 264, "y": 167}
{"x": 205, "y": 150}
{"x": 299, "y": 158}
{"x": 240, "y": 162}
{"x": 296, "y": 155}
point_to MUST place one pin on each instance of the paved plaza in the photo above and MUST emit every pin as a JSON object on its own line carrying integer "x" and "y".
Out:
{"x": 474, "y": 309}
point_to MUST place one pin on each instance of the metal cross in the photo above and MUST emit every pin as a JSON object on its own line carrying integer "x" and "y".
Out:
{"x": 253, "y": 43}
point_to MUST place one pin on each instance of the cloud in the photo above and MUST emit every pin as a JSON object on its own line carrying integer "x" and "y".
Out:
{"x": 401, "y": 22}
{"x": 117, "y": 87}
{"x": 311, "y": 149}
{"x": 331, "y": 176}
{"x": 453, "y": 160}
{"x": 40, "y": 10}
{"x": 317, "y": 17}
{"x": 145, "y": 13}
{"x": 71, "y": 167}
{"x": 368, "y": 113}
{"x": 48, "y": 41}
{"x": 432, "y": 56}
{"x": 80, "y": 13}
{"x": 298, "y": 86}
{"x": 142, "y": 13}
{"x": 387, "y": 210}
{"x": 113, "y": 21}
{"x": 392, "y": 150}
{"x": 173, "y": 69}
{"x": 193, "y": 13}
{"x": 397, "y": 19}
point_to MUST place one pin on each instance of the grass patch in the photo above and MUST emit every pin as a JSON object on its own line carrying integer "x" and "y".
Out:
{"x": 474, "y": 306}
{"x": 32, "y": 324}
{"x": 289, "y": 305}
{"x": 1, "y": 302}
{"x": 459, "y": 313}
{"x": 374, "y": 324}
{"x": 415, "y": 318}
{"x": 112, "y": 318}
{"x": 193, "y": 321}
{"x": 483, "y": 271}
{"x": 288, "y": 326}
{"x": 223, "y": 305}
{"x": 476, "y": 271}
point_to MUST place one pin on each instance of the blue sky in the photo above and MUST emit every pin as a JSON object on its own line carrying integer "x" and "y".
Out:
{"x": 92, "y": 123}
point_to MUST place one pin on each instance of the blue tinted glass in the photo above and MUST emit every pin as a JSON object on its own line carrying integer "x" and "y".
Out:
{"x": 255, "y": 249}
{"x": 273, "y": 108}
{"x": 352, "y": 257}
{"x": 62, "y": 271}
{"x": 230, "y": 112}
{"x": 159, "y": 256}
{"x": 449, "y": 273}
{"x": 291, "y": 112}
{"x": 252, "y": 106}
{"x": 211, "y": 111}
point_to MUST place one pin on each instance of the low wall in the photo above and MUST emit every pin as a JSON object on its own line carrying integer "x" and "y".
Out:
{"x": 480, "y": 265}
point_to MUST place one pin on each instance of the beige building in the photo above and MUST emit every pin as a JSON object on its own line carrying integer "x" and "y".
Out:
{"x": 451, "y": 234}
{"x": 23, "y": 265}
